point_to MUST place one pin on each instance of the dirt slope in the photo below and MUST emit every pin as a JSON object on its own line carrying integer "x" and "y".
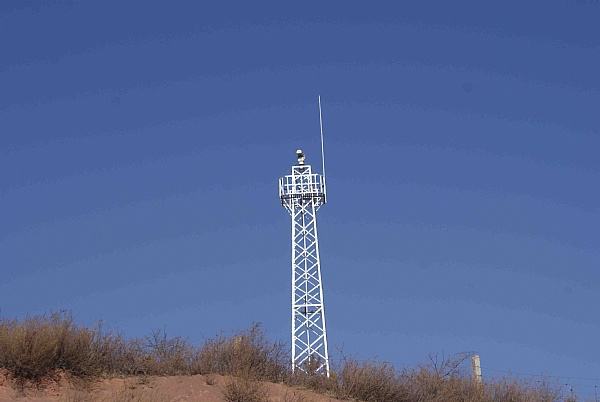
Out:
{"x": 197, "y": 388}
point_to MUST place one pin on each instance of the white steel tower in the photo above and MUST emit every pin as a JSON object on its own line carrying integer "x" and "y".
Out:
{"x": 302, "y": 193}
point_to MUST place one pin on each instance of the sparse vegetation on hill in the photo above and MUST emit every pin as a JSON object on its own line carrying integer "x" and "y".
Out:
{"x": 40, "y": 348}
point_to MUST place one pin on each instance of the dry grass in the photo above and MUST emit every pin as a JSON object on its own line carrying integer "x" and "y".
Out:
{"x": 246, "y": 355}
{"x": 40, "y": 348}
{"x": 510, "y": 390}
{"x": 244, "y": 390}
{"x": 370, "y": 382}
{"x": 293, "y": 397}
{"x": 374, "y": 382}
{"x": 75, "y": 395}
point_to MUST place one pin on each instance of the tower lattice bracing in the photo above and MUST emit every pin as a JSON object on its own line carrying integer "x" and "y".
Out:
{"x": 302, "y": 193}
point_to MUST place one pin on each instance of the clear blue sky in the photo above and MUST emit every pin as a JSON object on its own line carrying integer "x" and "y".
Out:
{"x": 140, "y": 144}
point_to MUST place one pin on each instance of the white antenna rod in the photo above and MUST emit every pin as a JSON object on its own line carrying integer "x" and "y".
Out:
{"x": 322, "y": 147}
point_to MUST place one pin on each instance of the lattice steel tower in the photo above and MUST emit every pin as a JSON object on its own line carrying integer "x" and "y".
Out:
{"x": 302, "y": 193}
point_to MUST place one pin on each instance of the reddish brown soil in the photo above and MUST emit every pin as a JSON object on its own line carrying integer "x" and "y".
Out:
{"x": 197, "y": 388}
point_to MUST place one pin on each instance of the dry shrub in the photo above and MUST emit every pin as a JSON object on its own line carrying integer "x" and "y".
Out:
{"x": 507, "y": 390}
{"x": 429, "y": 385}
{"x": 75, "y": 395}
{"x": 167, "y": 356}
{"x": 315, "y": 382}
{"x": 244, "y": 390}
{"x": 39, "y": 347}
{"x": 153, "y": 355}
{"x": 247, "y": 355}
{"x": 370, "y": 382}
{"x": 380, "y": 382}
{"x": 375, "y": 382}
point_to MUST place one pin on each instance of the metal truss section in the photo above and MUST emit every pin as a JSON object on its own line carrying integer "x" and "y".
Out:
{"x": 302, "y": 193}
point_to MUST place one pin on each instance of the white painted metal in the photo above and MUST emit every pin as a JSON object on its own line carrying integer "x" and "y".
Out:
{"x": 302, "y": 193}
{"x": 322, "y": 145}
{"x": 476, "y": 368}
